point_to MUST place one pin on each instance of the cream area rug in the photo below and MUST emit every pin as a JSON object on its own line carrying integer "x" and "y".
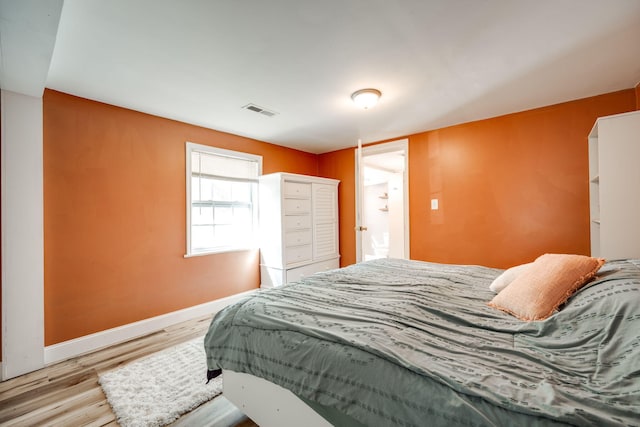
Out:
{"x": 157, "y": 389}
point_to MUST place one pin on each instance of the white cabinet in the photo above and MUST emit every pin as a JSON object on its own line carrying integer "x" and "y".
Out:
{"x": 298, "y": 227}
{"x": 614, "y": 186}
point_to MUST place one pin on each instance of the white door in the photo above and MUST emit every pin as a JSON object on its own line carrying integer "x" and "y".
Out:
{"x": 382, "y": 203}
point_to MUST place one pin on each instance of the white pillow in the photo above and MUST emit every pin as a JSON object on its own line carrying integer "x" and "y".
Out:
{"x": 507, "y": 276}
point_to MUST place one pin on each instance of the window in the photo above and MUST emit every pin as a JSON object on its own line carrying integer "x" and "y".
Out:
{"x": 222, "y": 196}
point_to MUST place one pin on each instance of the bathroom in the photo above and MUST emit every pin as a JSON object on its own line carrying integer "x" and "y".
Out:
{"x": 383, "y": 206}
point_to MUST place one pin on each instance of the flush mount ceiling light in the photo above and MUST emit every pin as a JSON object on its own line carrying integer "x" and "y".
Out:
{"x": 366, "y": 98}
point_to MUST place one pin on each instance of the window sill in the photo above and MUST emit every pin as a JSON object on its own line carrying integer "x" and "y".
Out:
{"x": 219, "y": 251}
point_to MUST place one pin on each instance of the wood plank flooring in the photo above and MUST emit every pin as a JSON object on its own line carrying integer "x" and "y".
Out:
{"x": 68, "y": 393}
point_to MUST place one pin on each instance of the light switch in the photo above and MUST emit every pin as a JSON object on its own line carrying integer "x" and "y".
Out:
{"x": 434, "y": 204}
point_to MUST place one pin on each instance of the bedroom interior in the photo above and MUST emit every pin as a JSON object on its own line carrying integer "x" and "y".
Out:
{"x": 93, "y": 236}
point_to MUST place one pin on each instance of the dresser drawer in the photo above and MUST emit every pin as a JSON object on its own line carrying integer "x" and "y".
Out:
{"x": 294, "y": 274}
{"x": 297, "y": 238}
{"x": 296, "y": 254}
{"x": 297, "y": 189}
{"x": 292, "y": 222}
{"x": 297, "y": 206}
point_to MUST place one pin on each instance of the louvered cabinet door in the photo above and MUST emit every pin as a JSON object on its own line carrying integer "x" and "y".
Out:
{"x": 325, "y": 221}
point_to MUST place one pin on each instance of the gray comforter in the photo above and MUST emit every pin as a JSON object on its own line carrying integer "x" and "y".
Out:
{"x": 409, "y": 343}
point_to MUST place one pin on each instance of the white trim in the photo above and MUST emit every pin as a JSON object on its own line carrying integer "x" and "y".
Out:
{"x": 398, "y": 145}
{"x": 224, "y": 152}
{"x": 75, "y": 347}
{"x": 22, "y": 235}
{"x": 221, "y": 251}
{"x": 359, "y": 188}
{"x": 192, "y": 146}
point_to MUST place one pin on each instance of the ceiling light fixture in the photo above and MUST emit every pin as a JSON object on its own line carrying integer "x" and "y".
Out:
{"x": 366, "y": 98}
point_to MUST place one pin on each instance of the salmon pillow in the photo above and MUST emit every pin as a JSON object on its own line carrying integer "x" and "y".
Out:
{"x": 508, "y": 276}
{"x": 545, "y": 285}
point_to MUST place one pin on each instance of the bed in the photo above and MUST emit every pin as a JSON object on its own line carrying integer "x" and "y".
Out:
{"x": 410, "y": 343}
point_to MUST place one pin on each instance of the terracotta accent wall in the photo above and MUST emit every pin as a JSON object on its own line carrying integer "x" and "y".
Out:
{"x": 510, "y": 188}
{"x": 115, "y": 217}
{"x": 340, "y": 165}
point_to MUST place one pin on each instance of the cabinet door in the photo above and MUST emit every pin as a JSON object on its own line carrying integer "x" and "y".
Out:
{"x": 325, "y": 203}
{"x": 325, "y": 243}
{"x": 325, "y": 221}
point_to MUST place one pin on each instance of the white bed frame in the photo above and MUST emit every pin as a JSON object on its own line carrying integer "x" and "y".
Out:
{"x": 268, "y": 404}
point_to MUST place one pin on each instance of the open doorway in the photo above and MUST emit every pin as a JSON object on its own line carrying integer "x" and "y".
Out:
{"x": 382, "y": 202}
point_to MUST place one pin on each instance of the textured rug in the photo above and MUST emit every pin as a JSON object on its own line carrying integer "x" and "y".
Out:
{"x": 156, "y": 390}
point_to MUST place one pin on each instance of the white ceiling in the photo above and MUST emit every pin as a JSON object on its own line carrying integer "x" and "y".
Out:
{"x": 391, "y": 162}
{"x": 27, "y": 37}
{"x": 437, "y": 63}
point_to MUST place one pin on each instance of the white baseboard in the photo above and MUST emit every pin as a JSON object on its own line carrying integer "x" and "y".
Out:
{"x": 77, "y": 346}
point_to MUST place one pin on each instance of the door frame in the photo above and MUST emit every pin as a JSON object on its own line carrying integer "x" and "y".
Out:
{"x": 386, "y": 147}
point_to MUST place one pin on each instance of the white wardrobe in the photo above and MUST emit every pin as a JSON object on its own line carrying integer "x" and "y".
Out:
{"x": 298, "y": 227}
{"x": 614, "y": 186}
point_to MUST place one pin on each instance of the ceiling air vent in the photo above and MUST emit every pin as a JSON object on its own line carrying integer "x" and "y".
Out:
{"x": 259, "y": 110}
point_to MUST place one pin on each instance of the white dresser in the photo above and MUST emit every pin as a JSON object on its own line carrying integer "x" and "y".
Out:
{"x": 614, "y": 186}
{"x": 298, "y": 227}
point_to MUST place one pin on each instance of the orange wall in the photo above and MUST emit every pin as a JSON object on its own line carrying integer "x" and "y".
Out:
{"x": 638, "y": 96}
{"x": 510, "y": 188}
{"x": 114, "y": 217}
{"x": 340, "y": 165}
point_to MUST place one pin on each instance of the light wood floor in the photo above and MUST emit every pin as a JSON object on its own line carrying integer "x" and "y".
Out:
{"x": 68, "y": 393}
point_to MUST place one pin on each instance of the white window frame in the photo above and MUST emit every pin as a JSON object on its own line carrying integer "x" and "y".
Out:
{"x": 191, "y": 147}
